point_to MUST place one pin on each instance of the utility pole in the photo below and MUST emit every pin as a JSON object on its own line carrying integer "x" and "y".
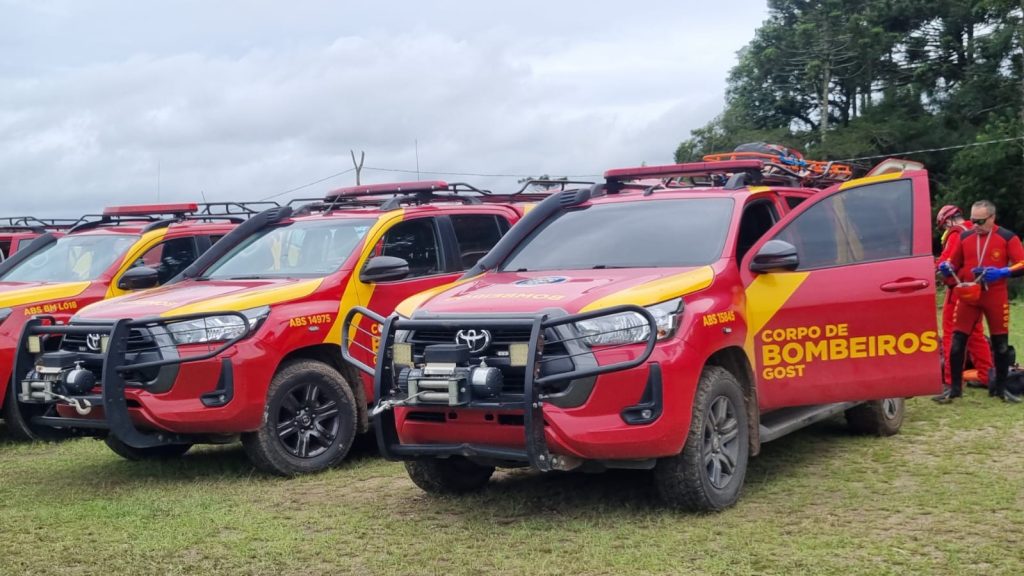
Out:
{"x": 358, "y": 165}
{"x": 416, "y": 143}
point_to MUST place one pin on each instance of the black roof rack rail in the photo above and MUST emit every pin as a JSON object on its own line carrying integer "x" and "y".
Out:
{"x": 235, "y": 208}
{"x": 550, "y": 183}
{"x": 154, "y": 216}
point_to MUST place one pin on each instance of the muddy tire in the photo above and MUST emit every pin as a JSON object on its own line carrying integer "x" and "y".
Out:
{"x": 309, "y": 421}
{"x": 708, "y": 475}
{"x": 164, "y": 452}
{"x": 877, "y": 418}
{"x": 17, "y": 415}
{"x": 454, "y": 475}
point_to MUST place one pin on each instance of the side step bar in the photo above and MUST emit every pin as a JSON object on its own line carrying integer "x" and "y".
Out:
{"x": 777, "y": 424}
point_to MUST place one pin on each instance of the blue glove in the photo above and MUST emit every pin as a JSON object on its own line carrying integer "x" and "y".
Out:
{"x": 990, "y": 274}
{"x": 946, "y": 269}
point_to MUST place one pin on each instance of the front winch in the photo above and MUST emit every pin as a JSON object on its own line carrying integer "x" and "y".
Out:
{"x": 55, "y": 376}
{"x": 447, "y": 378}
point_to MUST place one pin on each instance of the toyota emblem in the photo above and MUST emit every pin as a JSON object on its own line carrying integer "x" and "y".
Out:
{"x": 94, "y": 342}
{"x": 477, "y": 340}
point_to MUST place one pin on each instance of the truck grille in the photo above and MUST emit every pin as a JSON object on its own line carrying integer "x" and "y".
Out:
{"x": 138, "y": 340}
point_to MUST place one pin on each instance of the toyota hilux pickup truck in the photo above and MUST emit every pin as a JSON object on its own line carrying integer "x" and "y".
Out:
{"x": 674, "y": 327}
{"x": 125, "y": 249}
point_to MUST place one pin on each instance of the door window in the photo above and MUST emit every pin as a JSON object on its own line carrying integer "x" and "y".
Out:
{"x": 476, "y": 235}
{"x": 415, "y": 241}
{"x": 758, "y": 218}
{"x": 864, "y": 224}
{"x": 170, "y": 257}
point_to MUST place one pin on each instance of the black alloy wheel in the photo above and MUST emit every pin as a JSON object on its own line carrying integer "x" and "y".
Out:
{"x": 308, "y": 420}
{"x": 721, "y": 448}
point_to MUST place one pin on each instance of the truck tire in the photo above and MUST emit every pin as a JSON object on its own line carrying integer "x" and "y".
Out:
{"x": 708, "y": 475}
{"x": 878, "y": 417}
{"x": 453, "y": 475}
{"x": 164, "y": 452}
{"x": 309, "y": 421}
{"x": 17, "y": 416}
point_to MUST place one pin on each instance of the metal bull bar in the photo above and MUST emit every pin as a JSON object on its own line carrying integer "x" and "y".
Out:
{"x": 115, "y": 365}
{"x": 536, "y": 450}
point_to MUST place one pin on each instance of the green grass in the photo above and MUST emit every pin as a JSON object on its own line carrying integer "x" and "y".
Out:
{"x": 945, "y": 496}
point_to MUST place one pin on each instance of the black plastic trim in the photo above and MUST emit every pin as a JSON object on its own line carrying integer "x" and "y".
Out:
{"x": 651, "y": 399}
{"x": 225, "y": 390}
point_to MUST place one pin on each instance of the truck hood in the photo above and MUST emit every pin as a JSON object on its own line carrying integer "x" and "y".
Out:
{"x": 21, "y": 293}
{"x": 572, "y": 291}
{"x": 192, "y": 297}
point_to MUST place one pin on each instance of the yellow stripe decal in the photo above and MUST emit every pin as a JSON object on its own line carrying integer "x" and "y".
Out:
{"x": 31, "y": 295}
{"x": 657, "y": 290}
{"x": 250, "y": 299}
{"x": 758, "y": 189}
{"x": 356, "y": 292}
{"x": 409, "y": 305}
{"x": 765, "y": 297}
{"x": 147, "y": 241}
{"x": 871, "y": 180}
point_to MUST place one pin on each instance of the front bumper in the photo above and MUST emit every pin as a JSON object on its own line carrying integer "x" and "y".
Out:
{"x": 534, "y": 406}
{"x": 125, "y": 358}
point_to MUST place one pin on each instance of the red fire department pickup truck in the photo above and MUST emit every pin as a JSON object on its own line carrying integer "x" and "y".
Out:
{"x": 673, "y": 327}
{"x": 245, "y": 341}
{"x": 126, "y": 248}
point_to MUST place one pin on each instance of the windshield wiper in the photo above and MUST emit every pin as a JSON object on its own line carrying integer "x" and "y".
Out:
{"x": 606, "y": 267}
{"x": 249, "y": 277}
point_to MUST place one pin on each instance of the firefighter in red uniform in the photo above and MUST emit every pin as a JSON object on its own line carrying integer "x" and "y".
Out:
{"x": 951, "y": 221}
{"x": 983, "y": 260}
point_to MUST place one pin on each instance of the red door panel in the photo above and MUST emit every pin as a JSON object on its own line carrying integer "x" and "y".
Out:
{"x": 856, "y": 320}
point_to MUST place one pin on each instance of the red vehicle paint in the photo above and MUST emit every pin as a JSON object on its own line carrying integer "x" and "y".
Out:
{"x": 674, "y": 327}
{"x": 245, "y": 342}
{"x": 123, "y": 250}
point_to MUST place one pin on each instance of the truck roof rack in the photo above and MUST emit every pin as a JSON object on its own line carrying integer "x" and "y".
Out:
{"x": 734, "y": 173}
{"x": 393, "y": 195}
{"x": 35, "y": 225}
{"x": 155, "y": 216}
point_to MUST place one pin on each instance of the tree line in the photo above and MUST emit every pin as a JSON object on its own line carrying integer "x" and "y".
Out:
{"x": 842, "y": 79}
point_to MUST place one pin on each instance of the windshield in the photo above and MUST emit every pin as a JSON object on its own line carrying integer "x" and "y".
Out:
{"x": 649, "y": 233}
{"x": 72, "y": 259}
{"x": 303, "y": 249}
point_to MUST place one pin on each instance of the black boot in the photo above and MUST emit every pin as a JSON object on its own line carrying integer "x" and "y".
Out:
{"x": 948, "y": 395}
{"x": 1001, "y": 358}
{"x": 957, "y": 355}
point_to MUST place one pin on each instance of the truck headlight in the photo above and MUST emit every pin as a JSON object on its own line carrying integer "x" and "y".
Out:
{"x": 630, "y": 327}
{"x": 216, "y": 328}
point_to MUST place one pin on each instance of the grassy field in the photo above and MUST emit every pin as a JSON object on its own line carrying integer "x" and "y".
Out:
{"x": 946, "y": 496}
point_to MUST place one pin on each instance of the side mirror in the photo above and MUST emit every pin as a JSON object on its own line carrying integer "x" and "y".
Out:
{"x": 775, "y": 256}
{"x": 383, "y": 268}
{"x": 139, "y": 278}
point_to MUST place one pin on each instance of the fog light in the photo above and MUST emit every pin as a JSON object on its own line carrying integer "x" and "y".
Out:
{"x": 35, "y": 344}
{"x": 518, "y": 353}
{"x": 401, "y": 354}
{"x": 104, "y": 340}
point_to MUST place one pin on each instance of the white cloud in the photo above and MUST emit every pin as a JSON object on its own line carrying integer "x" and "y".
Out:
{"x": 275, "y": 98}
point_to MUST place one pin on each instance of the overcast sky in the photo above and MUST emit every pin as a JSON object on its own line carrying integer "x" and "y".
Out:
{"x": 244, "y": 99}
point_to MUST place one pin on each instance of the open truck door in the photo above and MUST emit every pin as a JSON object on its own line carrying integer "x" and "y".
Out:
{"x": 840, "y": 296}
